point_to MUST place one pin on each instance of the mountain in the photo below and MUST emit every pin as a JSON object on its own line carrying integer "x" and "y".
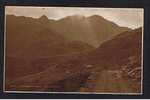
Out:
{"x": 93, "y": 30}
{"x": 44, "y": 19}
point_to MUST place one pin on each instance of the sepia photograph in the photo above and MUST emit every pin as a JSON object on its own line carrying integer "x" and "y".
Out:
{"x": 85, "y": 50}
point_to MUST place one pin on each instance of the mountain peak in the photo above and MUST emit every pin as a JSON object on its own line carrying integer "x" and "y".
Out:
{"x": 96, "y": 17}
{"x": 44, "y": 18}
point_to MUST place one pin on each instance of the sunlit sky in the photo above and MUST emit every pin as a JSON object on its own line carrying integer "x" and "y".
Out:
{"x": 128, "y": 17}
